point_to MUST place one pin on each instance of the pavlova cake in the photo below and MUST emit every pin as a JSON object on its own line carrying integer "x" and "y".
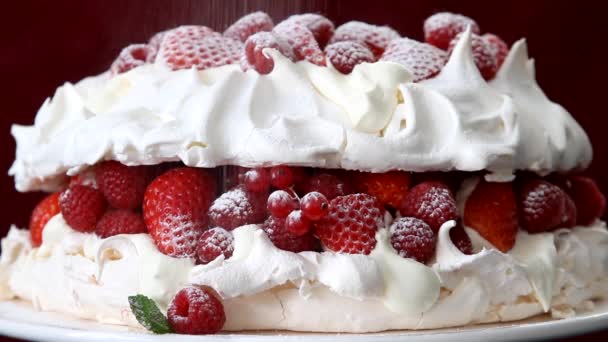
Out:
{"x": 307, "y": 177}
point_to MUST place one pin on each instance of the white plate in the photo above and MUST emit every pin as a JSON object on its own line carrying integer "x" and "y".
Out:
{"x": 20, "y": 320}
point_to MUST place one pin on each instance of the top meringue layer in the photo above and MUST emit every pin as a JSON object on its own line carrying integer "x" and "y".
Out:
{"x": 374, "y": 119}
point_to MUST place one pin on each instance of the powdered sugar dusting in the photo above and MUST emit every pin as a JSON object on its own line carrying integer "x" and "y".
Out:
{"x": 213, "y": 243}
{"x": 422, "y": 60}
{"x": 345, "y": 55}
{"x": 236, "y": 207}
{"x": 248, "y": 25}
{"x": 301, "y": 40}
{"x": 413, "y": 238}
{"x": 376, "y": 38}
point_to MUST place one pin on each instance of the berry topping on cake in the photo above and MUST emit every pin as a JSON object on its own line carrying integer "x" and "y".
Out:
{"x": 86, "y": 177}
{"x": 133, "y": 56}
{"x": 120, "y": 221}
{"x": 155, "y": 41}
{"x": 248, "y": 25}
{"x": 430, "y": 201}
{"x": 484, "y": 55}
{"x": 296, "y": 223}
{"x": 282, "y": 177}
{"x": 81, "y": 207}
{"x": 301, "y": 40}
{"x": 345, "y": 55}
{"x": 197, "y": 46}
{"x": 330, "y": 185}
{"x": 254, "y": 51}
{"x": 441, "y": 28}
{"x": 413, "y": 238}
{"x": 314, "y": 205}
{"x": 175, "y": 209}
{"x": 376, "y": 38}
{"x": 283, "y": 239}
{"x": 257, "y": 180}
{"x": 461, "y": 239}
{"x": 590, "y": 202}
{"x": 421, "y": 59}
{"x": 196, "y": 311}
{"x": 280, "y": 203}
{"x": 122, "y": 186}
{"x": 43, "y": 212}
{"x": 491, "y": 210}
{"x": 541, "y": 205}
{"x": 321, "y": 27}
{"x": 570, "y": 214}
{"x": 351, "y": 223}
{"x": 499, "y": 48}
{"x": 389, "y": 188}
{"x": 237, "y": 207}
{"x": 213, "y": 243}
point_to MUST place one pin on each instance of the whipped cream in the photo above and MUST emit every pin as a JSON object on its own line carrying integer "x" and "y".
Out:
{"x": 374, "y": 119}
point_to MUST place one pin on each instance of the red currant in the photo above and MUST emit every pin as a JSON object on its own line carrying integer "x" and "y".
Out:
{"x": 281, "y": 176}
{"x": 296, "y": 223}
{"x": 257, "y": 180}
{"x": 314, "y": 205}
{"x": 281, "y": 203}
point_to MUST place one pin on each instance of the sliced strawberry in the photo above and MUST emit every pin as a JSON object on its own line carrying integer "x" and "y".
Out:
{"x": 491, "y": 210}
{"x": 589, "y": 200}
{"x": 432, "y": 202}
{"x": 389, "y": 188}
{"x": 499, "y": 48}
{"x": 422, "y": 60}
{"x": 441, "y": 28}
{"x": 133, "y": 56}
{"x": 248, "y": 25}
{"x": 321, "y": 27}
{"x": 301, "y": 40}
{"x": 254, "y": 51}
{"x": 376, "y": 38}
{"x": 43, "y": 212}
{"x": 541, "y": 205}
{"x": 483, "y": 53}
{"x": 345, "y": 55}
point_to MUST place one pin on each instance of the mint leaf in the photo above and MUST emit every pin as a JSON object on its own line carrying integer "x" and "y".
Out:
{"x": 149, "y": 315}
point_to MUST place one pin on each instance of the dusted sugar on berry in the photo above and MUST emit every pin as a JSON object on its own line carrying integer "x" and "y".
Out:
{"x": 196, "y": 311}
{"x": 81, "y": 207}
{"x": 277, "y": 232}
{"x": 331, "y": 186}
{"x": 541, "y": 205}
{"x": 441, "y": 28}
{"x": 376, "y": 38}
{"x": 238, "y": 207}
{"x": 257, "y": 180}
{"x": 461, "y": 239}
{"x": 42, "y": 213}
{"x": 413, "y": 238}
{"x": 213, "y": 243}
{"x": 248, "y": 25}
{"x": 120, "y": 221}
{"x": 254, "y": 51}
{"x": 351, "y": 223}
{"x": 314, "y": 205}
{"x": 484, "y": 55}
{"x": 430, "y": 201}
{"x": 321, "y": 27}
{"x": 422, "y": 60}
{"x": 301, "y": 40}
{"x": 133, "y": 56}
{"x": 297, "y": 223}
{"x": 499, "y": 48}
{"x": 122, "y": 186}
{"x": 280, "y": 203}
{"x": 345, "y": 55}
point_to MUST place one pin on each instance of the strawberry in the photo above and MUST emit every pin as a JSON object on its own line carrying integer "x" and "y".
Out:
{"x": 122, "y": 186}
{"x": 345, "y": 55}
{"x": 441, "y": 28}
{"x": 590, "y": 202}
{"x": 213, "y": 243}
{"x": 133, "y": 56}
{"x": 321, "y": 27}
{"x": 461, "y": 239}
{"x": 42, "y": 213}
{"x": 81, "y": 207}
{"x": 491, "y": 210}
{"x": 541, "y": 205}
{"x": 248, "y": 25}
{"x": 238, "y": 207}
{"x": 499, "y": 48}
{"x": 351, "y": 223}
{"x": 277, "y": 232}
{"x": 120, "y": 221}
{"x": 389, "y": 188}
{"x": 430, "y": 201}
{"x": 197, "y": 46}
{"x": 376, "y": 38}
{"x": 254, "y": 51}
{"x": 412, "y": 238}
{"x": 422, "y": 60}
{"x": 483, "y": 53}
{"x": 175, "y": 209}
{"x": 301, "y": 40}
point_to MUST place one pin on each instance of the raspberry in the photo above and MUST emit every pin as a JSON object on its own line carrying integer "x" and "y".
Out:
{"x": 237, "y": 207}
{"x": 280, "y": 203}
{"x": 389, "y": 188}
{"x": 314, "y": 205}
{"x": 483, "y": 54}
{"x": 175, "y": 209}
{"x": 376, "y": 38}
{"x": 281, "y": 177}
{"x": 155, "y": 41}
{"x": 257, "y": 180}
{"x": 331, "y": 186}
{"x": 499, "y": 48}
{"x": 412, "y": 238}
{"x": 590, "y": 202}
{"x": 213, "y": 243}
{"x": 421, "y": 60}
{"x": 570, "y": 214}
{"x": 321, "y": 27}
{"x": 82, "y": 207}
{"x": 432, "y": 202}
{"x": 301, "y": 40}
{"x": 491, "y": 210}
{"x": 196, "y": 311}
{"x": 120, "y": 221}
{"x": 351, "y": 224}
{"x": 122, "y": 186}
{"x": 131, "y": 57}
{"x": 254, "y": 51}
{"x": 541, "y": 205}
{"x": 461, "y": 239}
{"x": 277, "y": 232}
{"x": 248, "y": 25}
{"x": 345, "y": 55}
{"x": 86, "y": 177}
{"x": 42, "y": 213}
{"x": 296, "y": 223}
{"x": 441, "y": 28}
{"x": 197, "y": 46}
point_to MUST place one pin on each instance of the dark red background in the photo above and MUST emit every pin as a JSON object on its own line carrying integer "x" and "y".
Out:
{"x": 46, "y": 43}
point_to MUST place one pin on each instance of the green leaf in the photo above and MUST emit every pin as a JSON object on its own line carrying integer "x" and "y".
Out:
{"x": 149, "y": 315}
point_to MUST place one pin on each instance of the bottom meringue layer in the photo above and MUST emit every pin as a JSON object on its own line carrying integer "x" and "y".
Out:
{"x": 561, "y": 272}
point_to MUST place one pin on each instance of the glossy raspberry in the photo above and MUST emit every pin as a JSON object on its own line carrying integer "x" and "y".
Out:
{"x": 422, "y": 60}
{"x": 412, "y": 238}
{"x": 42, "y": 213}
{"x": 321, "y": 27}
{"x": 314, "y": 205}
{"x": 120, "y": 221}
{"x": 389, "y": 188}
{"x": 345, "y": 55}
{"x": 350, "y": 225}
{"x": 297, "y": 224}
{"x": 281, "y": 203}
{"x": 281, "y": 177}
{"x": 237, "y": 207}
{"x": 122, "y": 186}
{"x": 249, "y": 25}
{"x": 133, "y": 56}
{"x": 82, "y": 207}
{"x": 432, "y": 202}
{"x": 257, "y": 180}
{"x": 331, "y": 186}
{"x": 279, "y": 235}
{"x": 461, "y": 239}
{"x": 254, "y": 51}
{"x": 376, "y": 38}
{"x": 590, "y": 202}
{"x": 196, "y": 311}
{"x": 301, "y": 40}
{"x": 483, "y": 54}
{"x": 541, "y": 205}
{"x": 499, "y": 48}
{"x": 213, "y": 243}
{"x": 441, "y": 28}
